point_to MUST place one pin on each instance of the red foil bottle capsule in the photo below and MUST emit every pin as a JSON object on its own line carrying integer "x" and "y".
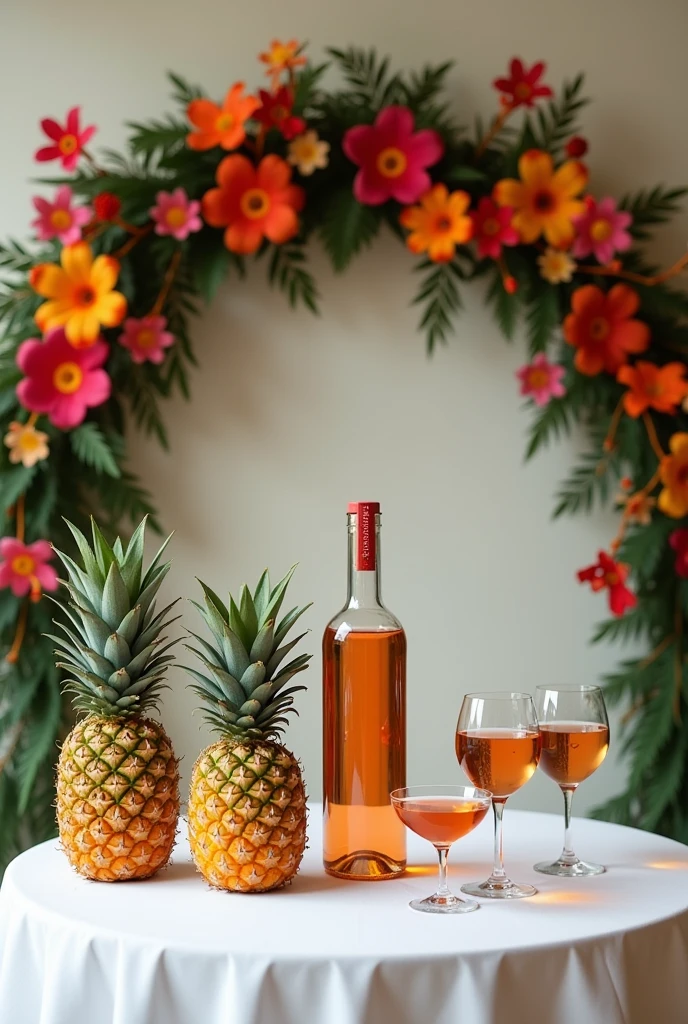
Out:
{"x": 364, "y": 717}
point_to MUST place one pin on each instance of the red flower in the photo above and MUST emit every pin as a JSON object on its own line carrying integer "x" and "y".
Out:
{"x": 602, "y": 328}
{"x": 106, "y": 206}
{"x": 606, "y": 574}
{"x": 576, "y": 147}
{"x": 275, "y": 112}
{"x": 521, "y": 89}
{"x": 68, "y": 142}
{"x": 679, "y": 542}
{"x": 492, "y": 228}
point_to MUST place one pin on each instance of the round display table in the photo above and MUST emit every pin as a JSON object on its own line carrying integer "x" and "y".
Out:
{"x": 611, "y": 949}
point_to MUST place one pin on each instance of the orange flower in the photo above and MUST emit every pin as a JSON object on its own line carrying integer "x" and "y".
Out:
{"x": 601, "y": 328}
{"x": 281, "y": 57}
{"x": 673, "y": 470}
{"x": 438, "y": 224}
{"x": 220, "y": 126}
{"x": 253, "y": 202}
{"x": 653, "y": 387}
{"x": 544, "y": 199}
{"x": 81, "y": 294}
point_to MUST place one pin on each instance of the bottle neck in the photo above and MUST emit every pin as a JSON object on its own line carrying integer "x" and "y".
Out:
{"x": 364, "y": 564}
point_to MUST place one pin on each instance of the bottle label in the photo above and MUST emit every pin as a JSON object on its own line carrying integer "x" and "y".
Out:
{"x": 366, "y": 553}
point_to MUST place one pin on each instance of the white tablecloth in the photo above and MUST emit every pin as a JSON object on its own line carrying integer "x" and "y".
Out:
{"x": 611, "y": 949}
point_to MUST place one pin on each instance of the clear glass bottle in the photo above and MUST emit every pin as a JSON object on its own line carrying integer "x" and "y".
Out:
{"x": 364, "y": 718}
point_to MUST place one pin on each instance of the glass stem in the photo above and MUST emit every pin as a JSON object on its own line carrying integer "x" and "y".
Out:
{"x": 498, "y": 868}
{"x": 567, "y": 853}
{"x": 443, "y": 888}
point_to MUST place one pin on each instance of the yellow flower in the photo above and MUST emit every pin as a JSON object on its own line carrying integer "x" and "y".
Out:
{"x": 673, "y": 469}
{"x": 438, "y": 224}
{"x": 544, "y": 200}
{"x": 81, "y": 294}
{"x": 556, "y": 266}
{"x": 27, "y": 445}
{"x": 308, "y": 153}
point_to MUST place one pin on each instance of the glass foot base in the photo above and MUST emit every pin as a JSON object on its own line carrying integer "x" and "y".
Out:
{"x": 365, "y": 866}
{"x": 444, "y": 905}
{"x": 499, "y": 890}
{"x": 569, "y": 869}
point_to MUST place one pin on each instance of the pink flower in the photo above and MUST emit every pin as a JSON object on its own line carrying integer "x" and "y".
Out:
{"x": 23, "y": 567}
{"x": 492, "y": 228}
{"x": 68, "y": 142}
{"x": 146, "y": 338}
{"x": 60, "y": 380}
{"x": 392, "y": 157}
{"x": 541, "y": 380}
{"x": 59, "y": 219}
{"x": 601, "y": 230}
{"x": 176, "y": 214}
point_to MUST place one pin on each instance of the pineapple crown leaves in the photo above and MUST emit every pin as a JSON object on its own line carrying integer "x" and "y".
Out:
{"x": 244, "y": 682}
{"x": 112, "y": 646}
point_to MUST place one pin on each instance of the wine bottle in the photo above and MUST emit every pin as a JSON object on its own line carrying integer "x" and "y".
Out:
{"x": 364, "y": 717}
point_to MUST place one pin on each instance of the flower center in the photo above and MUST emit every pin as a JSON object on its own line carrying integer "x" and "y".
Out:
{"x": 61, "y": 220}
{"x": 84, "y": 296}
{"x": 279, "y": 113}
{"x": 654, "y": 390}
{"x": 544, "y": 201}
{"x": 600, "y": 230}
{"x": 255, "y": 203}
{"x": 307, "y": 151}
{"x": 599, "y": 328}
{"x": 491, "y": 226}
{"x": 612, "y": 579}
{"x": 146, "y": 338}
{"x": 682, "y": 476}
{"x": 443, "y": 223}
{"x": 523, "y": 91}
{"x": 391, "y": 162}
{"x": 23, "y": 565}
{"x": 28, "y": 440}
{"x": 538, "y": 379}
{"x": 280, "y": 55}
{"x": 67, "y": 378}
{"x": 224, "y": 122}
{"x": 176, "y": 216}
{"x": 68, "y": 144}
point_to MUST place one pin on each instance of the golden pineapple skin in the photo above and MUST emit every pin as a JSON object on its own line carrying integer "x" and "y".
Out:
{"x": 117, "y": 798}
{"x": 247, "y": 815}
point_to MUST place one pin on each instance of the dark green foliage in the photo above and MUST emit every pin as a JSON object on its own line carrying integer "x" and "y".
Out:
{"x": 557, "y": 121}
{"x": 347, "y": 227}
{"x": 91, "y": 447}
{"x": 287, "y": 271}
{"x": 440, "y": 298}
{"x": 652, "y": 206}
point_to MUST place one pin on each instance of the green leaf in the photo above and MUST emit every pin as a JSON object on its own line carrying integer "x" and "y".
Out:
{"x": 211, "y": 266}
{"x": 91, "y": 447}
{"x": 39, "y": 739}
{"x": 505, "y": 307}
{"x": 347, "y": 227}
{"x": 558, "y": 120}
{"x": 439, "y": 295}
{"x": 287, "y": 272}
{"x": 543, "y": 318}
{"x": 15, "y": 482}
{"x": 551, "y": 423}
{"x": 651, "y": 206}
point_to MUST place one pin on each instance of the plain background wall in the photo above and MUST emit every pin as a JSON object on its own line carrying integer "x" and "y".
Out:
{"x": 293, "y": 416}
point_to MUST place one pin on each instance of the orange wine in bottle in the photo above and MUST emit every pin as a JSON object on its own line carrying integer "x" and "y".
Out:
{"x": 364, "y": 718}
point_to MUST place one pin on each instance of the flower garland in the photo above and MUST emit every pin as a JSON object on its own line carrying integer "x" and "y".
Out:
{"x": 96, "y": 312}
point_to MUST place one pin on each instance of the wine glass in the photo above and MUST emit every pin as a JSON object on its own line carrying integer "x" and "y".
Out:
{"x": 498, "y": 746}
{"x": 441, "y": 814}
{"x": 574, "y": 735}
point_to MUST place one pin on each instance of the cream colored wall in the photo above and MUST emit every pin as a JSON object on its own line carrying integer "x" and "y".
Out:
{"x": 293, "y": 416}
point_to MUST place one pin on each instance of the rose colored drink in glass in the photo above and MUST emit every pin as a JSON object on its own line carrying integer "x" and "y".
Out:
{"x": 571, "y": 751}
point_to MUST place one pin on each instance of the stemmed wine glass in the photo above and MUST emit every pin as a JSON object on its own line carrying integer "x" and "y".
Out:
{"x": 441, "y": 814}
{"x": 574, "y": 733}
{"x": 498, "y": 746}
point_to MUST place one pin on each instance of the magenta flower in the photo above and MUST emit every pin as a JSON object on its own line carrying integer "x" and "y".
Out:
{"x": 24, "y": 567}
{"x": 392, "y": 157}
{"x": 541, "y": 380}
{"x": 601, "y": 230}
{"x": 146, "y": 338}
{"x": 68, "y": 142}
{"x": 60, "y": 380}
{"x": 59, "y": 219}
{"x": 176, "y": 214}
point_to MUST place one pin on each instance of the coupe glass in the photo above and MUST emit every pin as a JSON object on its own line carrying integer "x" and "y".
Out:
{"x": 498, "y": 746}
{"x": 441, "y": 814}
{"x": 574, "y": 733}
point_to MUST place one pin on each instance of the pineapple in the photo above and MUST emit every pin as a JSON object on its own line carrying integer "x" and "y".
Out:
{"x": 247, "y": 807}
{"x": 117, "y": 778}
